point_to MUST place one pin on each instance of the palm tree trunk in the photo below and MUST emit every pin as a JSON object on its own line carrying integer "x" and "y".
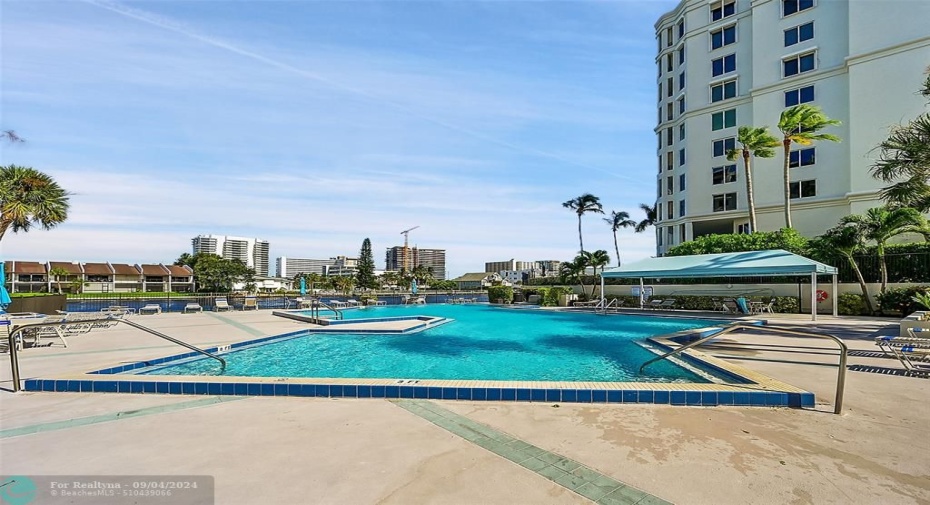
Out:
{"x": 787, "y": 169}
{"x": 882, "y": 267}
{"x": 580, "y": 242}
{"x": 747, "y": 163}
{"x": 862, "y": 285}
{"x": 616, "y": 248}
{"x": 4, "y": 225}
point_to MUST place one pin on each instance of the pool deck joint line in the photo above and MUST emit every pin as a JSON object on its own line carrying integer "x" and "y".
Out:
{"x": 246, "y": 328}
{"x": 114, "y": 416}
{"x": 565, "y": 472}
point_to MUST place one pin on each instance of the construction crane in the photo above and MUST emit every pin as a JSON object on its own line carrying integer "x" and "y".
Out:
{"x": 406, "y": 251}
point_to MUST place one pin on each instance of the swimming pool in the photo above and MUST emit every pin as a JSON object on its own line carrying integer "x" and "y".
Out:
{"x": 481, "y": 343}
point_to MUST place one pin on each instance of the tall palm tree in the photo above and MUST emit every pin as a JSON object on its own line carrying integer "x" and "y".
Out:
{"x": 651, "y": 217}
{"x": 753, "y": 142}
{"x": 881, "y": 224}
{"x": 11, "y": 136}
{"x": 801, "y": 124}
{"x": 618, "y": 220}
{"x": 582, "y": 205}
{"x": 844, "y": 241}
{"x": 29, "y": 197}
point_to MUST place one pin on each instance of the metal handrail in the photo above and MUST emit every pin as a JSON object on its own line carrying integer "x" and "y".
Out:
{"x": 316, "y": 303}
{"x": 841, "y": 377}
{"x": 609, "y": 304}
{"x": 14, "y": 359}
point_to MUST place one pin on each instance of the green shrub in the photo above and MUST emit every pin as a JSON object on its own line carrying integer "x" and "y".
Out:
{"x": 851, "y": 304}
{"x": 923, "y": 299}
{"x": 552, "y": 297}
{"x": 500, "y": 294}
{"x": 901, "y": 299}
{"x": 786, "y": 238}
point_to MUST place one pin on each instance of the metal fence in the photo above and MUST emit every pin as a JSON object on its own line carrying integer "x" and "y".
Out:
{"x": 901, "y": 268}
{"x": 175, "y": 302}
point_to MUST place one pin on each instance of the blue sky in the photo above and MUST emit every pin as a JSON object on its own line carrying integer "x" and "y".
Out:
{"x": 315, "y": 124}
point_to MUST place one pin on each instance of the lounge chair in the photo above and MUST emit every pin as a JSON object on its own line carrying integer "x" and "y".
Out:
{"x": 728, "y": 305}
{"x": 666, "y": 304}
{"x": 336, "y": 304}
{"x": 151, "y": 308}
{"x": 653, "y": 304}
{"x": 352, "y": 302}
{"x": 221, "y": 305}
{"x": 250, "y": 303}
{"x": 192, "y": 307}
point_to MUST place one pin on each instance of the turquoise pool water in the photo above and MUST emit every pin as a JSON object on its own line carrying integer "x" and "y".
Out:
{"x": 482, "y": 343}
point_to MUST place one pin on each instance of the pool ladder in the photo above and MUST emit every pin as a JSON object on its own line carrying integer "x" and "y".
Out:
{"x": 315, "y": 305}
{"x": 14, "y": 359}
{"x": 841, "y": 377}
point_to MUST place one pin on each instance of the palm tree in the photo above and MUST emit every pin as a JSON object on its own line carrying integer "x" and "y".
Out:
{"x": 573, "y": 271}
{"x": 618, "y": 220}
{"x": 598, "y": 259}
{"x": 11, "y": 136}
{"x": 753, "y": 142}
{"x": 881, "y": 224}
{"x": 29, "y": 197}
{"x": 582, "y": 205}
{"x": 57, "y": 273}
{"x": 844, "y": 241}
{"x": 801, "y": 124}
{"x": 651, "y": 217}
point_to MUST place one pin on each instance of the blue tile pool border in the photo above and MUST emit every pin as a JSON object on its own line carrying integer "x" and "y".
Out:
{"x": 115, "y": 380}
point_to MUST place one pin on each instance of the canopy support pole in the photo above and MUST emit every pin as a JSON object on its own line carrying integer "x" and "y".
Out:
{"x": 813, "y": 297}
{"x": 642, "y": 292}
{"x": 835, "y": 295}
{"x": 602, "y": 293}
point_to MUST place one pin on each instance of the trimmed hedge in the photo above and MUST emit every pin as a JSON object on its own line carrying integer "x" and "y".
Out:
{"x": 783, "y": 304}
{"x": 500, "y": 293}
{"x": 851, "y": 304}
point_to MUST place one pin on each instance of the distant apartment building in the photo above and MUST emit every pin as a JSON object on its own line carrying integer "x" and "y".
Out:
{"x": 430, "y": 258}
{"x": 290, "y": 267}
{"x": 253, "y": 252}
{"x": 519, "y": 271}
{"x": 343, "y": 266}
{"x": 73, "y": 277}
{"x": 723, "y": 64}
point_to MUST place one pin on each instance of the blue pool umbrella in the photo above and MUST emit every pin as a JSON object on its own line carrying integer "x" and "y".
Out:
{"x": 413, "y": 286}
{"x": 4, "y": 296}
{"x": 303, "y": 286}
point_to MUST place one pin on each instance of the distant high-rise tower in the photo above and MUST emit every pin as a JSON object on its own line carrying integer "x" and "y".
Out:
{"x": 430, "y": 258}
{"x": 253, "y": 252}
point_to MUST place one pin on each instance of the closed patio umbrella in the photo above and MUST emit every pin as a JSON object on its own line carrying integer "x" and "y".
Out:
{"x": 303, "y": 286}
{"x": 4, "y": 296}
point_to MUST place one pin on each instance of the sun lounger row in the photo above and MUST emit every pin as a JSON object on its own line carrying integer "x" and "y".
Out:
{"x": 912, "y": 351}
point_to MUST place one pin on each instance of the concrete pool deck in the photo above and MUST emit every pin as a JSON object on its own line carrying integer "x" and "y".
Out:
{"x": 317, "y": 450}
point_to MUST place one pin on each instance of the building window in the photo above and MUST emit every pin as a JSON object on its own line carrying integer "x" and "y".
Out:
{"x": 723, "y": 37}
{"x": 804, "y": 189}
{"x": 659, "y": 237}
{"x": 669, "y": 64}
{"x": 743, "y": 228}
{"x": 659, "y": 213}
{"x": 681, "y": 227}
{"x": 669, "y": 112}
{"x": 681, "y": 156}
{"x": 722, "y": 9}
{"x": 798, "y": 64}
{"x": 660, "y": 91}
{"x": 681, "y": 185}
{"x": 660, "y": 164}
{"x": 724, "y": 174}
{"x": 671, "y": 211}
{"x": 681, "y": 132}
{"x": 671, "y": 235}
{"x": 799, "y": 96}
{"x": 681, "y": 29}
{"x": 723, "y": 91}
{"x": 681, "y": 56}
{"x": 659, "y": 136}
{"x": 681, "y": 105}
{"x": 681, "y": 212}
{"x": 802, "y": 157}
{"x": 668, "y": 136}
{"x": 789, "y": 7}
{"x": 659, "y": 186}
{"x": 668, "y": 36}
{"x": 669, "y": 163}
{"x": 723, "y": 65}
{"x": 725, "y": 202}
{"x": 660, "y": 114}
{"x": 721, "y": 146}
{"x": 723, "y": 119}
{"x": 669, "y": 187}
{"x": 670, "y": 86}
{"x": 681, "y": 81}
{"x": 799, "y": 34}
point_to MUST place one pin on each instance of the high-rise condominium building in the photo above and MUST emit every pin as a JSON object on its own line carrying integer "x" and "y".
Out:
{"x": 509, "y": 265}
{"x": 251, "y": 251}
{"x": 290, "y": 267}
{"x": 730, "y": 63}
{"x": 432, "y": 258}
